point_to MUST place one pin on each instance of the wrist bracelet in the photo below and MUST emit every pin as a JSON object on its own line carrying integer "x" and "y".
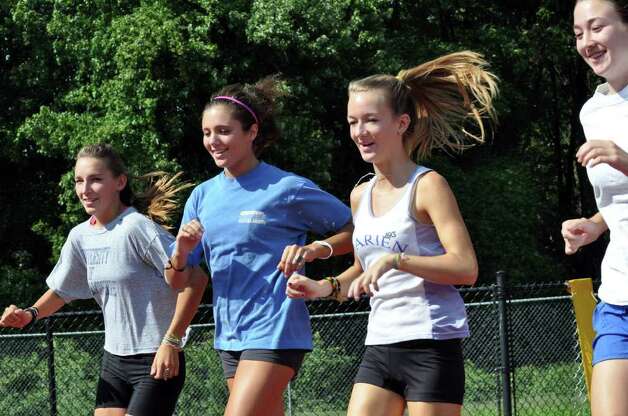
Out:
{"x": 169, "y": 265}
{"x": 34, "y": 311}
{"x": 336, "y": 293}
{"x": 395, "y": 262}
{"x": 325, "y": 244}
{"x": 173, "y": 341}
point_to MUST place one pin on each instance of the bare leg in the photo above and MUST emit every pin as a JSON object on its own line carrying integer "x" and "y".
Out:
{"x": 110, "y": 411}
{"x": 608, "y": 388}
{"x": 257, "y": 389}
{"x": 370, "y": 400}
{"x": 434, "y": 409}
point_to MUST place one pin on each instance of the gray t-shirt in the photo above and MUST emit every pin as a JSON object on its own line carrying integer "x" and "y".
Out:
{"x": 121, "y": 267}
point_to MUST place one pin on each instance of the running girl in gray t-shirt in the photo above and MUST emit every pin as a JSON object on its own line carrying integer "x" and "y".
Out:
{"x": 118, "y": 258}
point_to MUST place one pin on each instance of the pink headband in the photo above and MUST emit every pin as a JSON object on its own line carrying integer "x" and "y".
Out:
{"x": 240, "y": 103}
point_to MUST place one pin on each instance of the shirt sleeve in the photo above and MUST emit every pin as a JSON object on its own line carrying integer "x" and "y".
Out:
{"x": 319, "y": 211}
{"x": 68, "y": 279}
{"x": 157, "y": 250}
{"x": 190, "y": 213}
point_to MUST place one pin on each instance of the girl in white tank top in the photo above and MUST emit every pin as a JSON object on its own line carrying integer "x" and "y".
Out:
{"x": 406, "y": 307}
{"x": 411, "y": 244}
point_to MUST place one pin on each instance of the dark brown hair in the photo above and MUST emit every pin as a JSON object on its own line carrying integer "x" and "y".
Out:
{"x": 261, "y": 98}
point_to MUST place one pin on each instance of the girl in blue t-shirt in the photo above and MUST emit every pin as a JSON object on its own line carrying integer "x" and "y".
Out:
{"x": 250, "y": 222}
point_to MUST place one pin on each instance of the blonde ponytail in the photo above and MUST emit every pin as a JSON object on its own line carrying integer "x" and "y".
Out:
{"x": 441, "y": 97}
{"x": 158, "y": 200}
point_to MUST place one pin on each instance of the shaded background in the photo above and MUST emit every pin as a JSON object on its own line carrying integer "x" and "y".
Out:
{"x": 137, "y": 74}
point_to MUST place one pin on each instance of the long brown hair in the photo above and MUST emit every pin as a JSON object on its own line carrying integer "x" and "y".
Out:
{"x": 440, "y": 97}
{"x": 261, "y": 98}
{"x": 158, "y": 198}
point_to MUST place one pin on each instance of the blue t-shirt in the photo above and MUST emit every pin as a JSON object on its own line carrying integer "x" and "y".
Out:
{"x": 248, "y": 222}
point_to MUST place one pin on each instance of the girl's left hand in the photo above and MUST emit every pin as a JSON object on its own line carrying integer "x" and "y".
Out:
{"x": 294, "y": 257}
{"x": 595, "y": 152}
{"x": 367, "y": 281}
{"x": 166, "y": 363}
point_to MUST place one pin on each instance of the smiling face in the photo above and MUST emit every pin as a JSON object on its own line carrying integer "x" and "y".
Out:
{"x": 98, "y": 189}
{"x": 602, "y": 40}
{"x": 229, "y": 145}
{"x": 373, "y": 126}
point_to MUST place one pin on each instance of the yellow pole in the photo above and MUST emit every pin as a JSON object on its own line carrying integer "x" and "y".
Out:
{"x": 583, "y": 304}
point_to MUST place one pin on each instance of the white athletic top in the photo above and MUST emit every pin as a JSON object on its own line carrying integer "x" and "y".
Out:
{"x": 605, "y": 117}
{"x": 406, "y": 307}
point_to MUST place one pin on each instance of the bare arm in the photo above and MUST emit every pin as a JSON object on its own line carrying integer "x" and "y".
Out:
{"x": 294, "y": 256}
{"x": 437, "y": 204}
{"x": 188, "y": 299}
{"x": 579, "y": 232}
{"x": 176, "y": 271}
{"x": 47, "y": 304}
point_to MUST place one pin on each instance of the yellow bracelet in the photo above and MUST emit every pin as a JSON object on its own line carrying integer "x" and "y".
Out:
{"x": 395, "y": 262}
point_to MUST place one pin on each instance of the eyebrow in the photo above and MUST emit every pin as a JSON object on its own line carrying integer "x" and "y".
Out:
{"x": 217, "y": 126}
{"x": 589, "y": 21}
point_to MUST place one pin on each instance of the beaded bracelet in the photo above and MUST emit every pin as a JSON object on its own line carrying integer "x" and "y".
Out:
{"x": 173, "y": 341}
{"x": 336, "y": 293}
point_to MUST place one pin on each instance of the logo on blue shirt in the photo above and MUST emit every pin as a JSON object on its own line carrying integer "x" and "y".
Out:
{"x": 252, "y": 217}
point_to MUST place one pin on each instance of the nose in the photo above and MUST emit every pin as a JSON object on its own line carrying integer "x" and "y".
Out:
{"x": 360, "y": 129}
{"x": 80, "y": 187}
{"x": 587, "y": 39}
{"x": 212, "y": 138}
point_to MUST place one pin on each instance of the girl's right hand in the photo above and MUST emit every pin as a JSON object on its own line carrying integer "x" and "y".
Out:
{"x": 189, "y": 236}
{"x": 579, "y": 232}
{"x": 14, "y": 317}
{"x": 300, "y": 286}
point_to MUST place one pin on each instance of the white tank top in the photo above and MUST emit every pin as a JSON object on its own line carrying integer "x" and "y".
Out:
{"x": 406, "y": 307}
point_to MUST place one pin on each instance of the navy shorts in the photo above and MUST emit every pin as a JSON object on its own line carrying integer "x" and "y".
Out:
{"x": 125, "y": 382}
{"x": 422, "y": 370}
{"x": 288, "y": 358}
{"x": 610, "y": 323}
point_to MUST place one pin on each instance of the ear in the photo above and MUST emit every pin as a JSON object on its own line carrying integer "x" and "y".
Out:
{"x": 404, "y": 123}
{"x": 121, "y": 182}
{"x": 252, "y": 133}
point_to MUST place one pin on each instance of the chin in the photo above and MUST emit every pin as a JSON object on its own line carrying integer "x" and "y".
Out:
{"x": 221, "y": 163}
{"x": 369, "y": 158}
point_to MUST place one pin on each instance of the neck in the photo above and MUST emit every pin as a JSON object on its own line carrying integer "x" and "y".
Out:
{"x": 394, "y": 174}
{"x": 242, "y": 168}
{"x": 616, "y": 85}
{"x": 105, "y": 218}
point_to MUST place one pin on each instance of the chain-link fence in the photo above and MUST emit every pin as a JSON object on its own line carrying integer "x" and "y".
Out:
{"x": 522, "y": 358}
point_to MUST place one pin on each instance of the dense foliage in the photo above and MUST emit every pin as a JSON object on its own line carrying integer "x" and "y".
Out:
{"x": 136, "y": 74}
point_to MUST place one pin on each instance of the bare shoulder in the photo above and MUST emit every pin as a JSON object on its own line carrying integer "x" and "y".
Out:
{"x": 432, "y": 182}
{"x": 356, "y": 195}
{"x": 433, "y": 195}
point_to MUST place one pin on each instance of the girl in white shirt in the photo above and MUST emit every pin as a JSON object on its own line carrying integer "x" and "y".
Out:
{"x": 601, "y": 31}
